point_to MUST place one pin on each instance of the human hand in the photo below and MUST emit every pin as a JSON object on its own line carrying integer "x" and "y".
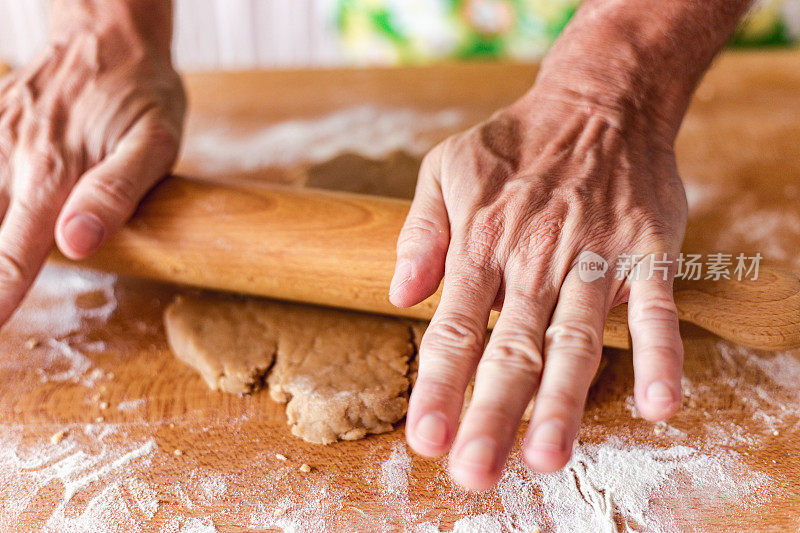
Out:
{"x": 85, "y": 130}
{"x": 502, "y": 212}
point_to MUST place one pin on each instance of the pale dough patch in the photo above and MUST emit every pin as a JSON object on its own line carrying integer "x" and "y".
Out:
{"x": 394, "y": 176}
{"x": 224, "y": 339}
{"x": 342, "y": 375}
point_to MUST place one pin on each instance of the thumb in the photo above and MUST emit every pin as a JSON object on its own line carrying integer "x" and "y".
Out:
{"x": 423, "y": 241}
{"x": 107, "y": 194}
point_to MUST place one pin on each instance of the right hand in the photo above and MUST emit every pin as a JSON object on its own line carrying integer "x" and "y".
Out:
{"x": 85, "y": 131}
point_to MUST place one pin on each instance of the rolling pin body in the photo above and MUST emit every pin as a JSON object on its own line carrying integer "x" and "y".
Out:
{"x": 338, "y": 250}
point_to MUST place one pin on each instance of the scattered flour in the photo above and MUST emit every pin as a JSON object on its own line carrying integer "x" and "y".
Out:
{"x": 700, "y": 195}
{"x": 613, "y": 484}
{"x": 65, "y": 363}
{"x": 189, "y": 525}
{"x": 773, "y": 233}
{"x": 51, "y": 309}
{"x": 131, "y": 405}
{"x": 395, "y": 472}
{"x": 96, "y": 490}
{"x": 481, "y": 523}
{"x": 143, "y": 496}
{"x": 611, "y": 487}
{"x": 210, "y": 486}
{"x": 367, "y": 130}
{"x": 764, "y": 385}
{"x": 308, "y": 513}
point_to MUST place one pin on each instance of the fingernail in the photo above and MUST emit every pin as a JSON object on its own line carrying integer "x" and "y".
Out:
{"x": 84, "y": 233}
{"x": 402, "y": 274}
{"x": 549, "y": 436}
{"x": 432, "y": 428}
{"x": 477, "y": 455}
{"x": 659, "y": 392}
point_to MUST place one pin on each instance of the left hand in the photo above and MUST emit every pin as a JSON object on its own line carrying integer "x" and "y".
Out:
{"x": 502, "y": 212}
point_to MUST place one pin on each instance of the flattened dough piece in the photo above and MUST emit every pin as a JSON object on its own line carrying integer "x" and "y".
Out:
{"x": 223, "y": 339}
{"x": 343, "y": 375}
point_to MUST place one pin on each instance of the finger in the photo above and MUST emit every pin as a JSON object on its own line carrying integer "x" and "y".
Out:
{"x": 4, "y": 203}
{"x": 107, "y": 195}
{"x": 507, "y": 376}
{"x": 26, "y": 234}
{"x": 657, "y": 345}
{"x": 423, "y": 241}
{"x": 573, "y": 346}
{"x": 448, "y": 354}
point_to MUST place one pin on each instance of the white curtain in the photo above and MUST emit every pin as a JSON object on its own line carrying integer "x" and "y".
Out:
{"x": 209, "y": 34}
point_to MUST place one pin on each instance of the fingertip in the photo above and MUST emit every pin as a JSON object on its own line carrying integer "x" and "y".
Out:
{"x": 658, "y": 401}
{"x": 472, "y": 480}
{"x": 80, "y": 235}
{"x": 474, "y": 465}
{"x": 545, "y": 461}
{"x": 546, "y": 449}
{"x": 656, "y": 413}
{"x": 412, "y": 283}
{"x": 403, "y": 274}
{"x": 429, "y": 435}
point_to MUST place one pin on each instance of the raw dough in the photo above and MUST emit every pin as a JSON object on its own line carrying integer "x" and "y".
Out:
{"x": 394, "y": 176}
{"x": 223, "y": 339}
{"x": 342, "y": 375}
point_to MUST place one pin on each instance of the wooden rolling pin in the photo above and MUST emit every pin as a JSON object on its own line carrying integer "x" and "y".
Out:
{"x": 338, "y": 250}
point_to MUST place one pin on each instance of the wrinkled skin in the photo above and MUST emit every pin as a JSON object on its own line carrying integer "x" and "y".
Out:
{"x": 502, "y": 213}
{"x": 85, "y": 131}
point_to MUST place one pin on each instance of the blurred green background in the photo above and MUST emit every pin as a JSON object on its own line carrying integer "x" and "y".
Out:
{"x": 418, "y": 31}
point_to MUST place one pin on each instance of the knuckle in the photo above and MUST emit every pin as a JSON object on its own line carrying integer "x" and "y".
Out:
{"x": 652, "y": 228}
{"x": 484, "y": 234}
{"x": 656, "y": 308}
{"x": 519, "y": 353}
{"x": 665, "y": 357}
{"x": 576, "y": 338}
{"x": 161, "y": 134}
{"x": 162, "y": 138}
{"x": 440, "y": 388}
{"x": 568, "y": 399}
{"x": 44, "y": 170}
{"x": 116, "y": 191}
{"x": 418, "y": 230}
{"x": 12, "y": 270}
{"x": 543, "y": 233}
{"x": 537, "y": 236}
{"x": 666, "y": 352}
{"x": 455, "y": 334}
{"x": 431, "y": 163}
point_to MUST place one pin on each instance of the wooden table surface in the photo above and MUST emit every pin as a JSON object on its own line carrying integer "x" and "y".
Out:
{"x": 146, "y": 446}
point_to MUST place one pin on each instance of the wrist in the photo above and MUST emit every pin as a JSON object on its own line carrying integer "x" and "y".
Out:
{"x": 141, "y": 27}
{"x": 637, "y": 62}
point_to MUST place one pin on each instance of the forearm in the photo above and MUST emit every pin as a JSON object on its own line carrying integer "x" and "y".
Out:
{"x": 639, "y": 58}
{"x": 137, "y": 23}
